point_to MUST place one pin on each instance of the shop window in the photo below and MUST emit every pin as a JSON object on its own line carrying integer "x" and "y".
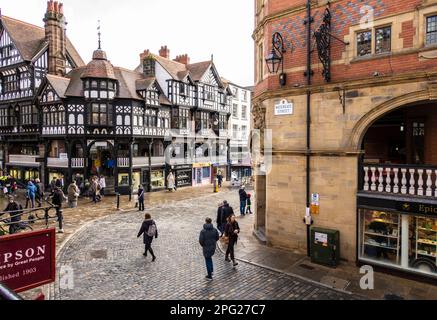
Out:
{"x": 381, "y": 240}
{"x": 383, "y": 40}
{"x": 206, "y": 172}
{"x": 431, "y": 29}
{"x": 123, "y": 179}
{"x": 158, "y": 179}
{"x": 364, "y": 43}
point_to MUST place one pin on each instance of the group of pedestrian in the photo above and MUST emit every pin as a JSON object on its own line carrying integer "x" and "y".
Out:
{"x": 8, "y": 185}
{"x": 245, "y": 201}
{"x": 97, "y": 188}
{"x": 15, "y": 211}
{"x": 34, "y": 193}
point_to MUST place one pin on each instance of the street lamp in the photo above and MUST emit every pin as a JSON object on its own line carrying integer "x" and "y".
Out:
{"x": 276, "y": 57}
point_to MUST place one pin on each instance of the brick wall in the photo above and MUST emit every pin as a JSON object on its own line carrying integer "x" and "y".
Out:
{"x": 346, "y": 17}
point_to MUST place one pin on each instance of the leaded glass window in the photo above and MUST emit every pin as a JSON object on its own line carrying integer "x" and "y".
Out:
{"x": 431, "y": 30}
{"x": 383, "y": 40}
{"x": 364, "y": 43}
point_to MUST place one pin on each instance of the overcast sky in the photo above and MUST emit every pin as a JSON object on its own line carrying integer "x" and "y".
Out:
{"x": 196, "y": 27}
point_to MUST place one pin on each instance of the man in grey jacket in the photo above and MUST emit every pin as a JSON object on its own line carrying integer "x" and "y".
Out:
{"x": 208, "y": 240}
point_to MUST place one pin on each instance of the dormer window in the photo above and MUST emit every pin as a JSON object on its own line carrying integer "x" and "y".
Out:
{"x": 94, "y": 84}
{"x": 104, "y": 89}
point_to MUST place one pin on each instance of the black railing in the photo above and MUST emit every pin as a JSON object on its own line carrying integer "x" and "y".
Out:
{"x": 8, "y": 294}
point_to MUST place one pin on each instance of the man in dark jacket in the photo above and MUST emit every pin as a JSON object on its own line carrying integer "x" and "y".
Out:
{"x": 150, "y": 231}
{"x": 57, "y": 199}
{"x": 15, "y": 210}
{"x": 208, "y": 240}
{"x": 39, "y": 192}
{"x": 243, "y": 199}
{"x": 227, "y": 212}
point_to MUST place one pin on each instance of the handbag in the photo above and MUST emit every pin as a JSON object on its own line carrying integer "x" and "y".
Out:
{"x": 225, "y": 239}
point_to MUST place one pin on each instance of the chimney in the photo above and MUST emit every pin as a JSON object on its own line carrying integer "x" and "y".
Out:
{"x": 144, "y": 54}
{"x": 183, "y": 58}
{"x": 164, "y": 52}
{"x": 55, "y": 36}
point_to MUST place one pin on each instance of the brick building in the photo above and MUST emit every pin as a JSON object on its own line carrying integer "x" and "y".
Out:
{"x": 361, "y": 80}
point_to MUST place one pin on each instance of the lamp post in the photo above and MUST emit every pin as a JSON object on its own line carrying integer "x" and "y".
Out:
{"x": 275, "y": 59}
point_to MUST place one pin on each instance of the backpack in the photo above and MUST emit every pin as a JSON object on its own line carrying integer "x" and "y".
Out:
{"x": 151, "y": 232}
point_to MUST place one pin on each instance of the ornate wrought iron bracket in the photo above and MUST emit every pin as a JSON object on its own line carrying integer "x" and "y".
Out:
{"x": 323, "y": 40}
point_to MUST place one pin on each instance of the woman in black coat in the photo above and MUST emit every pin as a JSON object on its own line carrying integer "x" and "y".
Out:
{"x": 148, "y": 230}
{"x": 232, "y": 230}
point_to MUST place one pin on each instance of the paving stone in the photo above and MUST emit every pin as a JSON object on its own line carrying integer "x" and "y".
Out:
{"x": 107, "y": 261}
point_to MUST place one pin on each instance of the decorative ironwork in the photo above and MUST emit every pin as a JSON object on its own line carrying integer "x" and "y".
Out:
{"x": 323, "y": 40}
{"x": 276, "y": 57}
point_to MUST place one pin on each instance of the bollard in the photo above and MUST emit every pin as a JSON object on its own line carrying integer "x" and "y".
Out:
{"x": 118, "y": 201}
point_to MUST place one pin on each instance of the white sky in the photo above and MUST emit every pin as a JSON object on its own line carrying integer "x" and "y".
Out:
{"x": 196, "y": 27}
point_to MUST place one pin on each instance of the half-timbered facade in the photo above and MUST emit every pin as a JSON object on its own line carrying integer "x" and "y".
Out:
{"x": 26, "y": 53}
{"x": 60, "y": 118}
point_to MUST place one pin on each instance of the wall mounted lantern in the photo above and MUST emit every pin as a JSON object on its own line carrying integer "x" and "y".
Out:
{"x": 276, "y": 57}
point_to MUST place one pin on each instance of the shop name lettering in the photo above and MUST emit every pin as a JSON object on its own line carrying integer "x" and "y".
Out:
{"x": 427, "y": 209}
{"x": 20, "y": 257}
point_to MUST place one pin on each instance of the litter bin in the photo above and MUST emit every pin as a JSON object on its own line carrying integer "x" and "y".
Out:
{"x": 325, "y": 247}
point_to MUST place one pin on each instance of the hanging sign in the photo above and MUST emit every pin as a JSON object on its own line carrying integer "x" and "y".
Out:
{"x": 63, "y": 156}
{"x": 284, "y": 108}
{"x": 27, "y": 260}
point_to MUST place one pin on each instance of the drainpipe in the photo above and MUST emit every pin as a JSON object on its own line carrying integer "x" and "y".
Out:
{"x": 308, "y": 22}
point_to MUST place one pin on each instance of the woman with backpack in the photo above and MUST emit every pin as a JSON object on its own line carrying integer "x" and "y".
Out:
{"x": 149, "y": 231}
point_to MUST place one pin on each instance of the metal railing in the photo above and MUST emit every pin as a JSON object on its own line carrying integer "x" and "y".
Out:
{"x": 8, "y": 294}
{"x": 16, "y": 224}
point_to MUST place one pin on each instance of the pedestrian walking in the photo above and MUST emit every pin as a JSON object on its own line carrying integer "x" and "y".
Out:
{"x": 171, "y": 182}
{"x": 39, "y": 192}
{"x": 73, "y": 193}
{"x": 15, "y": 211}
{"x": 231, "y": 231}
{"x": 243, "y": 198}
{"x": 57, "y": 199}
{"x": 249, "y": 204}
{"x": 220, "y": 179}
{"x": 227, "y": 211}
{"x": 149, "y": 231}
{"x": 208, "y": 240}
{"x": 140, "y": 198}
{"x": 102, "y": 184}
{"x": 221, "y": 222}
{"x": 93, "y": 188}
{"x": 53, "y": 186}
{"x": 30, "y": 195}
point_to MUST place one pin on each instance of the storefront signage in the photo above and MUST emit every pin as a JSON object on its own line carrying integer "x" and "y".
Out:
{"x": 417, "y": 208}
{"x": 63, "y": 156}
{"x": 284, "y": 108}
{"x": 27, "y": 260}
{"x": 201, "y": 165}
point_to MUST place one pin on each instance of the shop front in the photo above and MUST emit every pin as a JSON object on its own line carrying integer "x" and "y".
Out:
{"x": 23, "y": 174}
{"x": 183, "y": 175}
{"x": 157, "y": 179}
{"x": 123, "y": 182}
{"x": 398, "y": 233}
{"x": 202, "y": 174}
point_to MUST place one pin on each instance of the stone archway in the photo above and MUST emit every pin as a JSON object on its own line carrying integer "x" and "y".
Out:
{"x": 378, "y": 112}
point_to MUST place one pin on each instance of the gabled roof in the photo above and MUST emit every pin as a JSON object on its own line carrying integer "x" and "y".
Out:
{"x": 177, "y": 70}
{"x": 198, "y": 70}
{"x": 30, "y": 39}
{"x": 59, "y": 84}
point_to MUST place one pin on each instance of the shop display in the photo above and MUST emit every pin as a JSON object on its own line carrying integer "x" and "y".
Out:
{"x": 381, "y": 236}
{"x": 157, "y": 179}
{"x": 426, "y": 238}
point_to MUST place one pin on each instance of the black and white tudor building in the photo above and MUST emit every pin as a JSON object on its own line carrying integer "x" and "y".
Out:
{"x": 61, "y": 118}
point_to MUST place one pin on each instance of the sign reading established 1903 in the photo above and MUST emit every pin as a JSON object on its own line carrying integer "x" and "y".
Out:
{"x": 27, "y": 260}
{"x": 284, "y": 108}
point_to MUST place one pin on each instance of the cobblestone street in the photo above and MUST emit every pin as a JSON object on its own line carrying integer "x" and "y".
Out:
{"x": 107, "y": 262}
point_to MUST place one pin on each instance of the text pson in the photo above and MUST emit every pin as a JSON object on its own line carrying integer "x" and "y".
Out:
{"x": 19, "y": 255}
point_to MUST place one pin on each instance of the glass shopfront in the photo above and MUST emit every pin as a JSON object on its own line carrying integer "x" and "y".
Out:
{"x": 57, "y": 176}
{"x": 183, "y": 177}
{"x": 123, "y": 180}
{"x": 158, "y": 179}
{"x": 399, "y": 240}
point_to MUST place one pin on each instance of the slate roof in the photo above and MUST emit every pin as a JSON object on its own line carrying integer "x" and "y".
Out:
{"x": 59, "y": 84}
{"x": 99, "y": 67}
{"x": 30, "y": 39}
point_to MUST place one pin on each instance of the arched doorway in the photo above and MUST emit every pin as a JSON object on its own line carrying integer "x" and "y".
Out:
{"x": 101, "y": 158}
{"x": 397, "y": 197}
